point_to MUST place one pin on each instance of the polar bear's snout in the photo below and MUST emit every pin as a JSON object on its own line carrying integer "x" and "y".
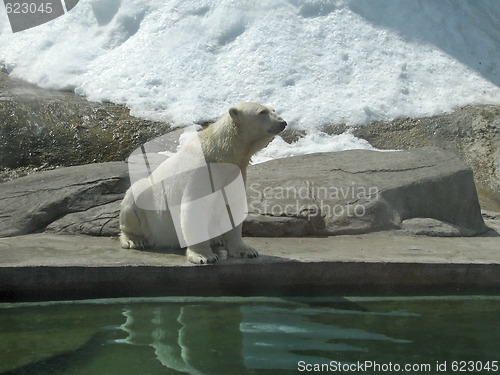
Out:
{"x": 278, "y": 127}
{"x": 282, "y": 125}
{"x": 277, "y": 124}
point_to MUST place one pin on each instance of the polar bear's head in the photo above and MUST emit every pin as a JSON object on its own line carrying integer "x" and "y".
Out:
{"x": 256, "y": 120}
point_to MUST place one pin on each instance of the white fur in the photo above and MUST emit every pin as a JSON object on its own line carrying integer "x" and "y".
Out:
{"x": 244, "y": 130}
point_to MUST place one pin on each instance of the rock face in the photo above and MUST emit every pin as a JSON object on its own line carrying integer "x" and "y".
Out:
{"x": 84, "y": 199}
{"x": 43, "y": 127}
{"x": 360, "y": 191}
{"x": 346, "y": 192}
{"x": 472, "y": 133}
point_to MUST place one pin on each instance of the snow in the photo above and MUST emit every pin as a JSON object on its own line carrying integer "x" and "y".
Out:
{"x": 317, "y": 62}
{"x": 313, "y": 141}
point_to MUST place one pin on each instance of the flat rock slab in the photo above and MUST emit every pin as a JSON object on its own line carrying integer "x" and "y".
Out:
{"x": 348, "y": 192}
{"x": 50, "y": 267}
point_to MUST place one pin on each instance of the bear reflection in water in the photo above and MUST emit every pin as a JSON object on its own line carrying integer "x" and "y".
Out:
{"x": 233, "y": 338}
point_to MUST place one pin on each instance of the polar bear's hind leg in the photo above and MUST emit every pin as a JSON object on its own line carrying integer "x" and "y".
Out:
{"x": 133, "y": 242}
{"x": 132, "y": 235}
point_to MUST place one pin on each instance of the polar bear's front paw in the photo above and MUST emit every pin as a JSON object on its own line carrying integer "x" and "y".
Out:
{"x": 206, "y": 257}
{"x": 243, "y": 251}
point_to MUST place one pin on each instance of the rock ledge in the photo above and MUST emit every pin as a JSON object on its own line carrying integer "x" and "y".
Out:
{"x": 348, "y": 192}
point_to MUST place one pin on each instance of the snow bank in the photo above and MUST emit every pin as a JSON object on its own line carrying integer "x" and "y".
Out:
{"x": 312, "y": 142}
{"x": 316, "y": 61}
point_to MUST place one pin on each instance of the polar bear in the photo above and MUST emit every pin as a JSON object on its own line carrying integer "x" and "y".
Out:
{"x": 244, "y": 130}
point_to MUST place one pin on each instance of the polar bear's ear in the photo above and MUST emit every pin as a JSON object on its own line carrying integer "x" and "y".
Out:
{"x": 233, "y": 112}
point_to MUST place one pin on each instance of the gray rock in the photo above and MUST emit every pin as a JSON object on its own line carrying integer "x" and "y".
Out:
{"x": 491, "y": 214}
{"x": 360, "y": 191}
{"x": 492, "y": 220}
{"x": 346, "y": 192}
{"x": 101, "y": 220}
{"x": 82, "y": 199}
{"x": 434, "y": 228}
{"x": 472, "y": 133}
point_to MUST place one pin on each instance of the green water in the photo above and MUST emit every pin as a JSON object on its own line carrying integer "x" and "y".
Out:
{"x": 248, "y": 335}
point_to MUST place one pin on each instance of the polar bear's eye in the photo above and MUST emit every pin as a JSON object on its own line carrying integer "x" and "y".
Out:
{"x": 263, "y": 112}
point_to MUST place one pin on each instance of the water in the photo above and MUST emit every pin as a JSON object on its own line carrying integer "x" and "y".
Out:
{"x": 246, "y": 335}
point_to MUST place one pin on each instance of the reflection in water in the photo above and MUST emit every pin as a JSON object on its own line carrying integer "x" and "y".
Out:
{"x": 200, "y": 339}
{"x": 278, "y": 338}
{"x": 195, "y": 339}
{"x": 242, "y": 336}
